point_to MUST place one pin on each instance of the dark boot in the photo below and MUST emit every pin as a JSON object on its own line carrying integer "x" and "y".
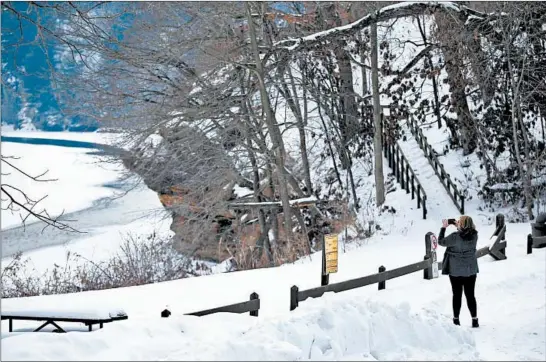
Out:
{"x": 475, "y": 323}
{"x": 456, "y": 321}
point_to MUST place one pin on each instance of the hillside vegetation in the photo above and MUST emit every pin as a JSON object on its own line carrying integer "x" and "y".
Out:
{"x": 226, "y": 103}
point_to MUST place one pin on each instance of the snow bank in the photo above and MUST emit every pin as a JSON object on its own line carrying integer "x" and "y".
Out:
{"x": 333, "y": 328}
{"x": 362, "y": 324}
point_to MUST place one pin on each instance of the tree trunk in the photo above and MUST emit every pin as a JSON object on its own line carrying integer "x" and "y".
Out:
{"x": 434, "y": 76}
{"x": 273, "y": 127}
{"x": 454, "y": 67}
{"x": 293, "y": 103}
{"x": 525, "y": 173}
{"x": 377, "y": 138}
{"x": 264, "y": 238}
{"x": 349, "y": 116}
{"x": 529, "y": 170}
{"x": 363, "y": 72}
{"x": 302, "y": 121}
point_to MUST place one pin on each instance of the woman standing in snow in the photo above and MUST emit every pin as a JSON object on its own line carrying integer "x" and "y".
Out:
{"x": 461, "y": 264}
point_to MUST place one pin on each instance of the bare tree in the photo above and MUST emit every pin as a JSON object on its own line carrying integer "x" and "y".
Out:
{"x": 15, "y": 198}
{"x": 17, "y": 201}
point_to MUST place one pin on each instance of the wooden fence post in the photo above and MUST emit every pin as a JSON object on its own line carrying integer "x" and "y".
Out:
{"x": 499, "y": 223}
{"x": 392, "y": 157}
{"x": 427, "y": 273}
{"x": 381, "y": 285}
{"x": 325, "y": 277}
{"x": 412, "y": 187}
{"x": 424, "y": 207}
{"x": 254, "y": 296}
{"x": 294, "y": 297}
{"x": 529, "y": 244}
{"x": 397, "y": 165}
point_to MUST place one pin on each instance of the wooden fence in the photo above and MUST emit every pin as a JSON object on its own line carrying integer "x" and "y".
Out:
{"x": 404, "y": 173}
{"x": 251, "y": 306}
{"x": 535, "y": 242}
{"x": 537, "y": 238}
{"x": 456, "y": 196}
{"x": 497, "y": 250}
{"x": 397, "y": 161}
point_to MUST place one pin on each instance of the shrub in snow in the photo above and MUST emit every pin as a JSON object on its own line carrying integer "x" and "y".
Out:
{"x": 141, "y": 260}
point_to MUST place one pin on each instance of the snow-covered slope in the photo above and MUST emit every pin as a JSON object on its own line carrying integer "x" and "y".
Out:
{"x": 410, "y": 320}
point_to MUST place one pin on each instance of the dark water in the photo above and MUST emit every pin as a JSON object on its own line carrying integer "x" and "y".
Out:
{"x": 99, "y": 149}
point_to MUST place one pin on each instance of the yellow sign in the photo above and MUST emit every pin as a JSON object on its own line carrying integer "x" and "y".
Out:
{"x": 330, "y": 242}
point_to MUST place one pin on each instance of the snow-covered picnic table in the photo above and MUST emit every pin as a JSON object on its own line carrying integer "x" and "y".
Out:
{"x": 89, "y": 317}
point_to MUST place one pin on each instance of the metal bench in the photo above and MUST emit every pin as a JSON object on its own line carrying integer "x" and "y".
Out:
{"x": 53, "y": 317}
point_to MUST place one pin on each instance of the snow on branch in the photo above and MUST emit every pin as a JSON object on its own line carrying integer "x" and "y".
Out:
{"x": 384, "y": 14}
{"x": 302, "y": 202}
{"x": 539, "y": 181}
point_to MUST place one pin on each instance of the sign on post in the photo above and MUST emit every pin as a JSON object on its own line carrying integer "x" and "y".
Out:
{"x": 433, "y": 247}
{"x": 330, "y": 243}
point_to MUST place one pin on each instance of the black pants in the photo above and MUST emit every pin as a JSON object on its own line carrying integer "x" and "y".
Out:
{"x": 458, "y": 284}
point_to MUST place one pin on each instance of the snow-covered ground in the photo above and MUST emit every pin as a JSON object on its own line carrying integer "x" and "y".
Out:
{"x": 410, "y": 320}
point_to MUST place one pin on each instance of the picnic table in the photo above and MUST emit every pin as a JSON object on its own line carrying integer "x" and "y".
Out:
{"x": 54, "y": 316}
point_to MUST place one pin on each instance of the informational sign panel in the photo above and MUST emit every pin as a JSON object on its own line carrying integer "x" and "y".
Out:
{"x": 330, "y": 242}
{"x": 433, "y": 247}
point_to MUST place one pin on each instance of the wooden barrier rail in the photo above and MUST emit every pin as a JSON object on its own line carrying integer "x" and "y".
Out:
{"x": 432, "y": 157}
{"x": 296, "y": 296}
{"x": 497, "y": 250}
{"x": 398, "y": 162}
{"x": 251, "y": 306}
{"x": 404, "y": 173}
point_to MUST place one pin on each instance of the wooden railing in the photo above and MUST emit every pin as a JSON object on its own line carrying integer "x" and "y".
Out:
{"x": 497, "y": 250}
{"x": 397, "y": 161}
{"x": 456, "y": 196}
{"x": 251, "y": 306}
{"x": 404, "y": 173}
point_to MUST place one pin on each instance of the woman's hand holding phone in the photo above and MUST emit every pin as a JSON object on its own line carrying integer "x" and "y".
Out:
{"x": 447, "y": 222}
